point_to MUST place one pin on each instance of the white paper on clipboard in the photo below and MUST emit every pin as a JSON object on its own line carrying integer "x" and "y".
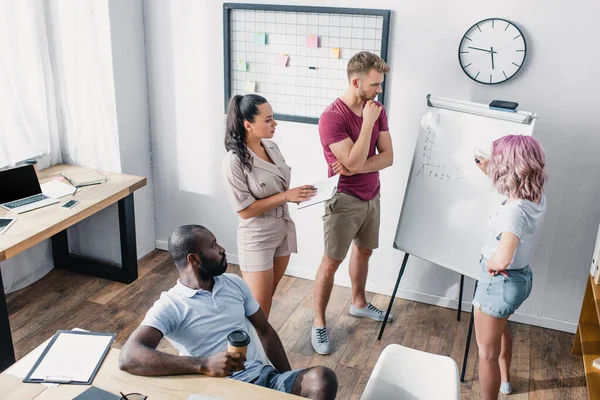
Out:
{"x": 74, "y": 356}
{"x": 325, "y": 191}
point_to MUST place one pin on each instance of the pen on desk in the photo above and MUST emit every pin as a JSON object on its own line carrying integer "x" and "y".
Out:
{"x": 123, "y": 396}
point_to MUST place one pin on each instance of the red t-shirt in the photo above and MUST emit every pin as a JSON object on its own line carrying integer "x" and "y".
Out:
{"x": 339, "y": 122}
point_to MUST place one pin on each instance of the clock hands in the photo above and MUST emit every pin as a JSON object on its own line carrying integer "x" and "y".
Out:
{"x": 477, "y": 48}
{"x": 492, "y": 53}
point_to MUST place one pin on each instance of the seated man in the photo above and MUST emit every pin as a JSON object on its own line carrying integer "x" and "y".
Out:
{"x": 198, "y": 313}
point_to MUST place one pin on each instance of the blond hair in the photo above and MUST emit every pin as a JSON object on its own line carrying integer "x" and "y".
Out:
{"x": 361, "y": 63}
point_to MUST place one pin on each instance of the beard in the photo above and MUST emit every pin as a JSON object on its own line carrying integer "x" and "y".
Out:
{"x": 363, "y": 96}
{"x": 211, "y": 268}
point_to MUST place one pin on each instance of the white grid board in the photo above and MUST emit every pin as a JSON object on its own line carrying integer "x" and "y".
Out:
{"x": 295, "y": 89}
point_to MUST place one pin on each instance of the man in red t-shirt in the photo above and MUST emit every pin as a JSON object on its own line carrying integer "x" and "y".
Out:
{"x": 357, "y": 145}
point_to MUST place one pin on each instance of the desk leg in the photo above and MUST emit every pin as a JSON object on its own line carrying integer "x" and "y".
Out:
{"x": 126, "y": 273}
{"x": 7, "y": 353}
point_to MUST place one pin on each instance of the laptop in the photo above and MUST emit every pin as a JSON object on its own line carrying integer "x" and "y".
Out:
{"x": 20, "y": 190}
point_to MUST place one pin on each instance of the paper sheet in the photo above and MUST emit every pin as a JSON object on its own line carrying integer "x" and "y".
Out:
{"x": 56, "y": 189}
{"x": 325, "y": 191}
{"x": 72, "y": 356}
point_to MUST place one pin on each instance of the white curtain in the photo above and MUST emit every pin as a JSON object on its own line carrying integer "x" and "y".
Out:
{"x": 62, "y": 90}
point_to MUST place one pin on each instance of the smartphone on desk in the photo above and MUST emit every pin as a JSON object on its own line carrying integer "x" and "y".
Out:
{"x": 70, "y": 204}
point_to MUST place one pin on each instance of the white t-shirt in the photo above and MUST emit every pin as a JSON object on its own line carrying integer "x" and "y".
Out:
{"x": 524, "y": 219}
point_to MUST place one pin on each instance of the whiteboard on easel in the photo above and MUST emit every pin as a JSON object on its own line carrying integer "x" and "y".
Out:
{"x": 448, "y": 199}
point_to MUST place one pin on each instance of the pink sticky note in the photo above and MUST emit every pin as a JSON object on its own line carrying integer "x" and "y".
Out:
{"x": 312, "y": 42}
{"x": 58, "y": 178}
{"x": 281, "y": 60}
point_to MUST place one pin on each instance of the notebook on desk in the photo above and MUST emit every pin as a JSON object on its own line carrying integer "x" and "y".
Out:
{"x": 85, "y": 177}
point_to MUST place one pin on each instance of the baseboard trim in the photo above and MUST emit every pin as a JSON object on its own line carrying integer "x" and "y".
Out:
{"x": 440, "y": 301}
{"x": 426, "y": 298}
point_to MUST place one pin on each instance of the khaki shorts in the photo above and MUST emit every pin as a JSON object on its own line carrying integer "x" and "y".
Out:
{"x": 262, "y": 238}
{"x": 349, "y": 218}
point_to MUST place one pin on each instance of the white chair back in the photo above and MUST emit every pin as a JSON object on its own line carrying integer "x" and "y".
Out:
{"x": 402, "y": 373}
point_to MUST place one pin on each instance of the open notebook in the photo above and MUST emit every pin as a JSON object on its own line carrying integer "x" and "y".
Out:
{"x": 325, "y": 191}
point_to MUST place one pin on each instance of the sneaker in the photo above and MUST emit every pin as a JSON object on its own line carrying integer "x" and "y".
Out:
{"x": 320, "y": 341}
{"x": 370, "y": 311}
{"x": 505, "y": 388}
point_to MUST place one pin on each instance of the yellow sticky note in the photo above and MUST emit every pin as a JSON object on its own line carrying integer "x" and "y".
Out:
{"x": 242, "y": 65}
{"x": 335, "y": 52}
{"x": 250, "y": 87}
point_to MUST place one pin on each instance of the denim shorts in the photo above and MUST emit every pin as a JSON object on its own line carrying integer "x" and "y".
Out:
{"x": 271, "y": 378}
{"x": 500, "y": 296}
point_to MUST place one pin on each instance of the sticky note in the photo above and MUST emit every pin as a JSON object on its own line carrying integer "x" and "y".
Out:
{"x": 242, "y": 65}
{"x": 250, "y": 87}
{"x": 312, "y": 42}
{"x": 58, "y": 179}
{"x": 260, "y": 38}
{"x": 335, "y": 52}
{"x": 281, "y": 60}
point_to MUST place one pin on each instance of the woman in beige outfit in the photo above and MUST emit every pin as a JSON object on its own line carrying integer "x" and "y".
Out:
{"x": 257, "y": 180}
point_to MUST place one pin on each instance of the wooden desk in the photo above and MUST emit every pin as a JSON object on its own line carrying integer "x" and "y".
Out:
{"x": 52, "y": 221}
{"x": 113, "y": 380}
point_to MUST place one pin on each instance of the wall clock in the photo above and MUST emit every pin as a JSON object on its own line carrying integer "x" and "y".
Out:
{"x": 492, "y": 51}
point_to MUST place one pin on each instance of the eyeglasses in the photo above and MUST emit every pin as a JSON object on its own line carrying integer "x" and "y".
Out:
{"x": 133, "y": 396}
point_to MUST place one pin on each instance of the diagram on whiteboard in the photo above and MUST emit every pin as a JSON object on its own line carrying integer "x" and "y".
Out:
{"x": 430, "y": 168}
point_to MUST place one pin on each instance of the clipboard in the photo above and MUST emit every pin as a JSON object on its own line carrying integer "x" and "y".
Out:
{"x": 325, "y": 190}
{"x": 95, "y": 344}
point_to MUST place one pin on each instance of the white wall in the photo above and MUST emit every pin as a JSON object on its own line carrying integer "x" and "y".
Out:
{"x": 559, "y": 82}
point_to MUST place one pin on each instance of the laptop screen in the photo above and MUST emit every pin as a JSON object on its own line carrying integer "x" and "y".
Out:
{"x": 18, "y": 183}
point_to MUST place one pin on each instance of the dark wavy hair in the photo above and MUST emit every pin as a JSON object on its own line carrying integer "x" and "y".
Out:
{"x": 240, "y": 109}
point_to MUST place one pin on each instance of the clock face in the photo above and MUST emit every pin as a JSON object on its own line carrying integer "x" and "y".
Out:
{"x": 492, "y": 51}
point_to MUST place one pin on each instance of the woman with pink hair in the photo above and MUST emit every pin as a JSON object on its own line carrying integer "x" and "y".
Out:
{"x": 517, "y": 169}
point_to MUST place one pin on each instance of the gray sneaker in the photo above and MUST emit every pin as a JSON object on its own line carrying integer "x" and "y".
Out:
{"x": 370, "y": 311}
{"x": 320, "y": 341}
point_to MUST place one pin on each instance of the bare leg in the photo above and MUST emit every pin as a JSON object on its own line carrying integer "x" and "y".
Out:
{"x": 280, "y": 264}
{"x": 506, "y": 355}
{"x": 359, "y": 267}
{"x": 261, "y": 286}
{"x": 489, "y": 332}
{"x": 323, "y": 287}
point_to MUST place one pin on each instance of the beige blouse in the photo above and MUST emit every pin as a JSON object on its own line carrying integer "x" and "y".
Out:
{"x": 244, "y": 187}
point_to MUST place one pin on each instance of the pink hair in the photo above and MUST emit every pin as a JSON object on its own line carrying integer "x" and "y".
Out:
{"x": 517, "y": 167}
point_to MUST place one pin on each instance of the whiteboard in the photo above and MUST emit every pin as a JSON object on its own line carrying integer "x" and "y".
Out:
{"x": 296, "y": 56}
{"x": 448, "y": 199}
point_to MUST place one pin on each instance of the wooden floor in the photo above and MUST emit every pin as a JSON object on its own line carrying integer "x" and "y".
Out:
{"x": 543, "y": 367}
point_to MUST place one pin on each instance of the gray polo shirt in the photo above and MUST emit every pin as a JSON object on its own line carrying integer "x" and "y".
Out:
{"x": 524, "y": 219}
{"x": 197, "y": 322}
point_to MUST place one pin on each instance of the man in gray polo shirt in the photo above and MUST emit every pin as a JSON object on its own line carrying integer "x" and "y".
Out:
{"x": 198, "y": 313}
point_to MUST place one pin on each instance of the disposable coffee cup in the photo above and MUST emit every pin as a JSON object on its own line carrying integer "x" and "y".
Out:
{"x": 238, "y": 342}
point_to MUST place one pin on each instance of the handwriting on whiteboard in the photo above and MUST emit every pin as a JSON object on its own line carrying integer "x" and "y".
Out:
{"x": 429, "y": 168}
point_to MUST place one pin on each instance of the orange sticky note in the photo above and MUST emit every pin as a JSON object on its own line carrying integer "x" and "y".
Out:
{"x": 281, "y": 60}
{"x": 312, "y": 41}
{"x": 335, "y": 52}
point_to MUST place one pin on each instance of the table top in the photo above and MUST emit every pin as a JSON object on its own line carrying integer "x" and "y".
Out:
{"x": 112, "y": 379}
{"x": 35, "y": 226}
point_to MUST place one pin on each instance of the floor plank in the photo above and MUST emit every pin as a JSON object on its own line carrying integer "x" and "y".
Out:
{"x": 542, "y": 368}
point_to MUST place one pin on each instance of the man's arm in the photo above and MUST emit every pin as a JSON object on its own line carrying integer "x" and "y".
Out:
{"x": 353, "y": 155}
{"x": 140, "y": 357}
{"x": 383, "y": 159}
{"x": 270, "y": 341}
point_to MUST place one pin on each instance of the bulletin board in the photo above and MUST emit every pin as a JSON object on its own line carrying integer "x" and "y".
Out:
{"x": 296, "y": 56}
